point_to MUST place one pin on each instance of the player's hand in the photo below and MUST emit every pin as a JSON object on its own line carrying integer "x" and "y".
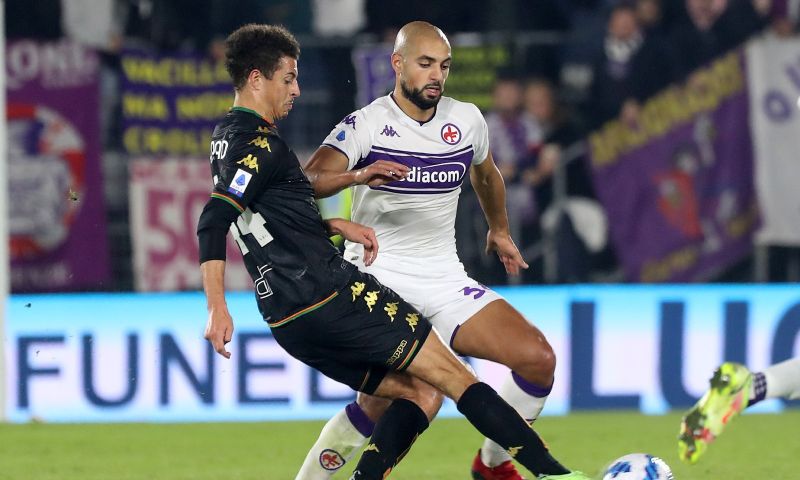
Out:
{"x": 219, "y": 329}
{"x": 381, "y": 172}
{"x": 364, "y": 235}
{"x": 506, "y": 250}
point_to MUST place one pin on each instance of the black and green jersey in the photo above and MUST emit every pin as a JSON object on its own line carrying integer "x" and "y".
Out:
{"x": 279, "y": 229}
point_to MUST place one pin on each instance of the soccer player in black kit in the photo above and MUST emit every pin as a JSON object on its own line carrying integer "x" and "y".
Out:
{"x": 320, "y": 308}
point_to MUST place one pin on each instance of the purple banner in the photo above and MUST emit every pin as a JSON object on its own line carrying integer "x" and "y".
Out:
{"x": 57, "y": 223}
{"x": 374, "y": 74}
{"x": 678, "y": 188}
{"x": 170, "y": 103}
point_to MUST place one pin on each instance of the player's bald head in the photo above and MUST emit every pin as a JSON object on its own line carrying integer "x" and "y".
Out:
{"x": 413, "y": 34}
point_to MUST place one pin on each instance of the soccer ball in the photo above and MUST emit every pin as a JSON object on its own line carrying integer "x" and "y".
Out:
{"x": 638, "y": 466}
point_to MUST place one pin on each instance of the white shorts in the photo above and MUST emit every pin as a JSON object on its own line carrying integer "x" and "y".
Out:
{"x": 436, "y": 286}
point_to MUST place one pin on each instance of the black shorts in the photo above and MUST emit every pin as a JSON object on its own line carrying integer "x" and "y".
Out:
{"x": 357, "y": 334}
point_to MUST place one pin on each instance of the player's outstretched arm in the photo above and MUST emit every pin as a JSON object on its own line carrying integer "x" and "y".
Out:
{"x": 219, "y": 328}
{"x": 327, "y": 171}
{"x": 357, "y": 233}
{"x": 212, "y": 228}
{"x": 488, "y": 184}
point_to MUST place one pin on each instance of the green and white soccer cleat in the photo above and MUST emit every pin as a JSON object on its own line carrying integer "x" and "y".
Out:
{"x": 728, "y": 395}
{"x": 566, "y": 476}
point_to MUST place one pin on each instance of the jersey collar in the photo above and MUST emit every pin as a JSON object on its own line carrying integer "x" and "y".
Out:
{"x": 248, "y": 110}
{"x": 412, "y": 120}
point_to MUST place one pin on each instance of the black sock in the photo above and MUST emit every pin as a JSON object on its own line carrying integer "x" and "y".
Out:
{"x": 394, "y": 433}
{"x": 496, "y": 419}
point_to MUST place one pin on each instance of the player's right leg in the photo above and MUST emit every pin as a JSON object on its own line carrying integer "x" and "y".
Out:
{"x": 728, "y": 395}
{"x": 347, "y": 433}
{"x": 733, "y": 388}
{"x": 436, "y": 365}
{"x": 781, "y": 380}
{"x": 342, "y": 437}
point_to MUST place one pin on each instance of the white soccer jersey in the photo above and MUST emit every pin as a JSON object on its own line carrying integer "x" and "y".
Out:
{"x": 414, "y": 216}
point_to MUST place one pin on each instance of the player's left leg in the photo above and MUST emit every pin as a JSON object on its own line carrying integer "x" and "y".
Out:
{"x": 499, "y": 333}
{"x": 435, "y": 364}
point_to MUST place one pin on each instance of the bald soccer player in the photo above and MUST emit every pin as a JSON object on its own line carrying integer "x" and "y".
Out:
{"x": 424, "y": 144}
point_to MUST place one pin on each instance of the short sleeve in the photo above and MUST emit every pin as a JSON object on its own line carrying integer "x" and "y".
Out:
{"x": 351, "y": 137}
{"x": 480, "y": 143}
{"x": 252, "y": 163}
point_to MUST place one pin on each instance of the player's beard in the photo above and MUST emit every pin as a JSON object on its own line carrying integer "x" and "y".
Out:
{"x": 415, "y": 96}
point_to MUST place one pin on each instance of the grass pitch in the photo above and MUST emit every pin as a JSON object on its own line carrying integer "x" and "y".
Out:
{"x": 754, "y": 446}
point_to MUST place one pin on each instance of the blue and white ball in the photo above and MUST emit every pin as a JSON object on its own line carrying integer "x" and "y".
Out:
{"x": 638, "y": 466}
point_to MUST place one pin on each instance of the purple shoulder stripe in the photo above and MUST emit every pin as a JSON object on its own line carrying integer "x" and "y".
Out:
{"x": 378, "y": 148}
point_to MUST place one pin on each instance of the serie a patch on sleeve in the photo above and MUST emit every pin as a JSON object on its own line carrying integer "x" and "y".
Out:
{"x": 239, "y": 183}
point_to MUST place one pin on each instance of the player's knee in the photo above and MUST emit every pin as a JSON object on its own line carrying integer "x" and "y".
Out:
{"x": 429, "y": 399}
{"x": 372, "y": 406}
{"x": 432, "y": 402}
{"x": 536, "y": 363}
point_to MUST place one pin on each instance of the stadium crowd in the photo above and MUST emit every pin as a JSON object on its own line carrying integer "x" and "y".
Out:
{"x": 575, "y": 65}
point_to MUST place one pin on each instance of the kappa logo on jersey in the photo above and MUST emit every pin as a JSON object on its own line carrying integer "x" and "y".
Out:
{"x": 239, "y": 182}
{"x": 371, "y": 298}
{"x": 372, "y": 447}
{"x": 397, "y": 352}
{"x": 341, "y": 136}
{"x": 250, "y": 162}
{"x": 357, "y": 288}
{"x": 389, "y": 131}
{"x": 261, "y": 142}
{"x": 349, "y": 120}
{"x": 513, "y": 451}
{"x": 331, "y": 460}
{"x": 413, "y": 320}
{"x": 391, "y": 310}
{"x": 263, "y": 129}
{"x": 451, "y": 134}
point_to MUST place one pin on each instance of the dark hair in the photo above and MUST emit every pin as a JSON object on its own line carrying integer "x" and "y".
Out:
{"x": 257, "y": 47}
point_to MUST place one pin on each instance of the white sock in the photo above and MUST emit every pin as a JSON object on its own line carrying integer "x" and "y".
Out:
{"x": 338, "y": 442}
{"x": 528, "y": 405}
{"x": 783, "y": 379}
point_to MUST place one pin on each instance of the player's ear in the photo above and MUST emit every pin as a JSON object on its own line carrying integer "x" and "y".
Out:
{"x": 254, "y": 78}
{"x": 397, "y": 63}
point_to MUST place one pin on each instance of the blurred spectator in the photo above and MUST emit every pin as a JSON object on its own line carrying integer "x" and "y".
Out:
{"x": 631, "y": 68}
{"x": 514, "y": 137}
{"x": 39, "y": 20}
{"x": 650, "y": 15}
{"x": 338, "y": 17}
{"x": 558, "y": 132}
{"x": 713, "y": 27}
{"x": 100, "y": 24}
{"x": 569, "y": 213}
{"x": 94, "y": 23}
{"x": 783, "y": 16}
